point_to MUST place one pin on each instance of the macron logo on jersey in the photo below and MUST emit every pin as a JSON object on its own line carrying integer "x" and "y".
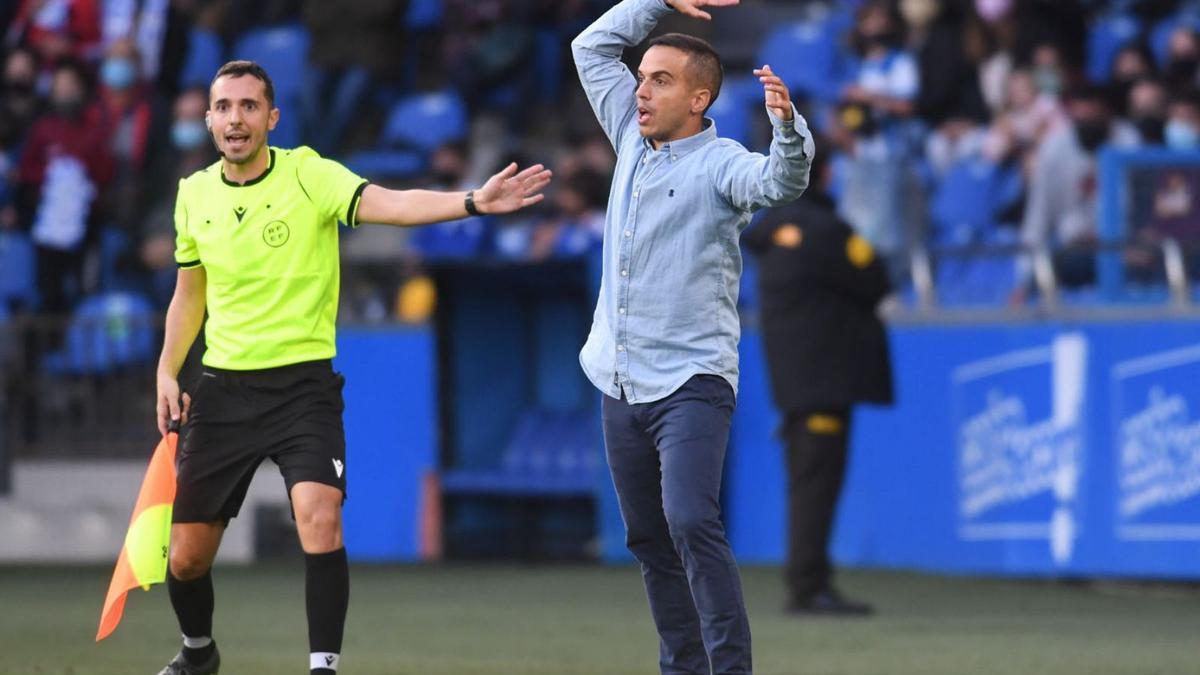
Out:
{"x": 239, "y": 212}
{"x": 338, "y": 466}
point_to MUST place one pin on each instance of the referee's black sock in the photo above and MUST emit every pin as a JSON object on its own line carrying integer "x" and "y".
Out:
{"x": 193, "y": 602}
{"x": 327, "y": 594}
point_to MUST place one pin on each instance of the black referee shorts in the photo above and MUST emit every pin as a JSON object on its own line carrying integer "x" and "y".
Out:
{"x": 291, "y": 414}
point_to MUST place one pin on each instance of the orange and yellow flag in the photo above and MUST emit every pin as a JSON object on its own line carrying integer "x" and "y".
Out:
{"x": 143, "y": 558}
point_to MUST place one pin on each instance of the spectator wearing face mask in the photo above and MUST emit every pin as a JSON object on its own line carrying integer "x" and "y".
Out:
{"x": 1183, "y": 58}
{"x": 877, "y": 130}
{"x": 190, "y": 149}
{"x": 1061, "y": 209}
{"x": 19, "y": 105}
{"x": 65, "y": 166}
{"x": 126, "y": 115}
{"x": 950, "y": 100}
{"x": 58, "y": 29}
{"x": 1147, "y": 107}
{"x": 1182, "y": 130}
{"x": 1132, "y": 63}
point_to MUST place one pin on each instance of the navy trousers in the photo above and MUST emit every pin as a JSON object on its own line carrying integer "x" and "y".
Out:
{"x": 666, "y": 459}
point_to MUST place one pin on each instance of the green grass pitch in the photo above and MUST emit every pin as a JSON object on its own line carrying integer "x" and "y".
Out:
{"x": 567, "y": 620}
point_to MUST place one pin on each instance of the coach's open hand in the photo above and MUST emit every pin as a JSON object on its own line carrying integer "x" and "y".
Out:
{"x": 692, "y": 7}
{"x": 778, "y": 99}
{"x": 509, "y": 191}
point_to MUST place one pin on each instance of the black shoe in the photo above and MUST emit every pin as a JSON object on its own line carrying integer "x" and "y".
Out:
{"x": 181, "y": 666}
{"x": 829, "y": 603}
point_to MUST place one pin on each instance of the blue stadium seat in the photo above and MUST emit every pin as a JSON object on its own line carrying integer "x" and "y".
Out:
{"x": 18, "y": 266}
{"x": 107, "y": 331}
{"x": 549, "y": 59}
{"x": 965, "y": 203}
{"x": 463, "y": 238}
{"x": 808, "y": 56}
{"x": 114, "y": 243}
{"x": 283, "y": 52}
{"x": 1160, "y": 35}
{"x": 424, "y": 14}
{"x": 416, "y": 125}
{"x": 979, "y": 281}
{"x": 384, "y": 164}
{"x": 550, "y": 453}
{"x": 732, "y": 110}
{"x": 1106, "y": 36}
{"x": 205, "y": 55}
{"x": 426, "y": 121}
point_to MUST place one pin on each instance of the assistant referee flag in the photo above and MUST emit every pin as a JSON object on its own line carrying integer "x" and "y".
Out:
{"x": 143, "y": 558}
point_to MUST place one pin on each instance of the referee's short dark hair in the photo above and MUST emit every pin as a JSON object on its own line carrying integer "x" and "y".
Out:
{"x": 704, "y": 64}
{"x": 240, "y": 68}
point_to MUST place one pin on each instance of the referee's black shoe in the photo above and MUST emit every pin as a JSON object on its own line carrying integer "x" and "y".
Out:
{"x": 181, "y": 666}
{"x": 828, "y": 603}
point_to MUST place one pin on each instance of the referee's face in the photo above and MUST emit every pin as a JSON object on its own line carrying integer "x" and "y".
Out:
{"x": 240, "y": 117}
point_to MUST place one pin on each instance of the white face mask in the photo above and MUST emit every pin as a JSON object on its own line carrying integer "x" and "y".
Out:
{"x": 1180, "y": 135}
{"x": 993, "y": 10}
{"x": 919, "y": 12}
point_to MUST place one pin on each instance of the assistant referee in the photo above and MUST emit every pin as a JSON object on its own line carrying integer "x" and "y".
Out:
{"x": 257, "y": 247}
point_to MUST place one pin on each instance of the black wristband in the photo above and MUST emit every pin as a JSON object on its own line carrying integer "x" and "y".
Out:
{"x": 469, "y": 202}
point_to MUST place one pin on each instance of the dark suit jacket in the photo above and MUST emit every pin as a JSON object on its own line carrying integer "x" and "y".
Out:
{"x": 819, "y": 285}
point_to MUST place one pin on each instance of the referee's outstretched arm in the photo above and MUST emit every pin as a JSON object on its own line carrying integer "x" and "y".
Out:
{"x": 504, "y": 192}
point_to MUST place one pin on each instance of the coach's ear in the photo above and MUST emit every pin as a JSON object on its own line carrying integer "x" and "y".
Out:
{"x": 208, "y": 120}
{"x": 272, "y": 119}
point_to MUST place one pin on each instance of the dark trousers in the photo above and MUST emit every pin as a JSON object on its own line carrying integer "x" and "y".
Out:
{"x": 816, "y": 455}
{"x": 666, "y": 459}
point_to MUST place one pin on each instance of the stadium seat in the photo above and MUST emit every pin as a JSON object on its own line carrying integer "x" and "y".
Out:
{"x": 426, "y": 121}
{"x": 463, "y": 238}
{"x": 808, "y": 56}
{"x": 205, "y": 54}
{"x": 18, "y": 265}
{"x": 107, "y": 331}
{"x": 416, "y": 125}
{"x": 424, "y": 14}
{"x": 549, "y": 453}
{"x": 978, "y": 281}
{"x": 965, "y": 203}
{"x": 1106, "y": 36}
{"x": 282, "y": 51}
{"x": 731, "y": 111}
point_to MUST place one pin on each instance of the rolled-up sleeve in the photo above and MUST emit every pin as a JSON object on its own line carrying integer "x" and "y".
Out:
{"x": 610, "y": 87}
{"x": 751, "y": 181}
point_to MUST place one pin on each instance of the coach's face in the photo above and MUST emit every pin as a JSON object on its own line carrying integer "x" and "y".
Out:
{"x": 670, "y": 105}
{"x": 239, "y": 117}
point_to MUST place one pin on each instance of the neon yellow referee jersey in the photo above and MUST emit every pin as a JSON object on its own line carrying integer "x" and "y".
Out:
{"x": 270, "y": 252}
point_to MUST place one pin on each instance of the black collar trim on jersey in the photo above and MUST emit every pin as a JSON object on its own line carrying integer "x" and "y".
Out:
{"x": 252, "y": 181}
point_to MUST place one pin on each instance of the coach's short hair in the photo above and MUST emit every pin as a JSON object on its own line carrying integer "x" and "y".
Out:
{"x": 704, "y": 64}
{"x": 240, "y": 68}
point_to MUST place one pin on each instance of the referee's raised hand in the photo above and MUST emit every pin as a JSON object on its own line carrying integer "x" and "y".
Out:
{"x": 510, "y": 191}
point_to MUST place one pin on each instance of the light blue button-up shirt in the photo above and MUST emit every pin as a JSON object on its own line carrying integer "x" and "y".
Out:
{"x": 668, "y": 295}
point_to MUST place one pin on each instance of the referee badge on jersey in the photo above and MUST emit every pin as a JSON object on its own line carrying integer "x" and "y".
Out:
{"x": 276, "y": 233}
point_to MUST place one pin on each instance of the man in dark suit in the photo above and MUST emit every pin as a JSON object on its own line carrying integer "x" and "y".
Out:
{"x": 820, "y": 284}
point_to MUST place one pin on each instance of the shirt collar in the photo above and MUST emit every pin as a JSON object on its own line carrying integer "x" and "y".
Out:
{"x": 254, "y": 181}
{"x": 682, "y": 146}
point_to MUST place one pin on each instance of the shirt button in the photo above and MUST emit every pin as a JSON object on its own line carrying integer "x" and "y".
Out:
{"x": 628, "y": 233}
{"x": 624, "y": 273}
{"x": 622, "y": 310}
{"x": 620, "y": 348}
{"x": 636, "y": 193}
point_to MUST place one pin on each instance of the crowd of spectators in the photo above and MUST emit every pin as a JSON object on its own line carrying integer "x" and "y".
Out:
{"x": 917, "y": 102}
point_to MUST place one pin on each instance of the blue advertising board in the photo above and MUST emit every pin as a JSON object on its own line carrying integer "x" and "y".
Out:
{"x": 1048, "y": 449}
